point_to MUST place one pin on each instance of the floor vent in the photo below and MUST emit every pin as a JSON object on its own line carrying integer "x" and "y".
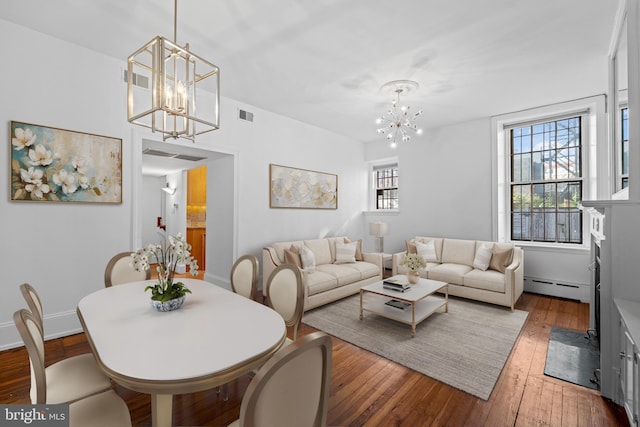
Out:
{"x": 245, "y": 115}
{"x": 138, "y": 80}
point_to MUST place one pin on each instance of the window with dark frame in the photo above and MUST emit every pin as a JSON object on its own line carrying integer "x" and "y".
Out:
{"x": 546, "y": 181}
{"x": 386, "y": 186}
{"x": 624, "y": 147}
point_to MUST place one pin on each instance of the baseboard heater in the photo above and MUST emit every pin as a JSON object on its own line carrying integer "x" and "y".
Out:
{"x": 575, "y": 291}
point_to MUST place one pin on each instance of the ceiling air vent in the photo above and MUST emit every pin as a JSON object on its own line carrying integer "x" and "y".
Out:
{"x": 138, "y": 79}
{"x": 159, "y": 153}
{"x": 245, "y": 115}
{"x": 188, "y": 157}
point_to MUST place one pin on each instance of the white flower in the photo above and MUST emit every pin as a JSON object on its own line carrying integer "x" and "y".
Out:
{"x": 83, "y": 181}
{"x": 23, "y": 138}
{"x": 40, "y": 156}
{"x": 37, "y": 189}
{"x": 80, "y": 165}
{"x": 66, "y": 181}
{"x": 32, "y": 175}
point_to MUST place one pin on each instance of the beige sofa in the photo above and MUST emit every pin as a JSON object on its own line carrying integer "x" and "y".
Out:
{"x": 471, "y": 267}
{"x": 328, "y": 280}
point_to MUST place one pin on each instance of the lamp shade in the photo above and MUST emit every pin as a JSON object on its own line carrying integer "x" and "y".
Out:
{"x": 378, "y": 229}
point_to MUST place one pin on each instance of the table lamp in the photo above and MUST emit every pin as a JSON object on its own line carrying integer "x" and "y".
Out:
{"x": 379, "y": 230}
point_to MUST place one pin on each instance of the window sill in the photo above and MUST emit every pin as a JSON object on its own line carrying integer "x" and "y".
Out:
{"x": 382, "y": 212}
{"x": 548, "y": 247}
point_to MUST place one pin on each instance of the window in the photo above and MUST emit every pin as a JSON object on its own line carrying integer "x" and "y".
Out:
{"x": 546, "y": 181}
{"x": 385, "y": 184}
{"x": 624, "y": 148}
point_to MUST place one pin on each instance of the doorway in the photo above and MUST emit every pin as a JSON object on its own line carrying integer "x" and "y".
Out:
{"x": 161, "y": 162}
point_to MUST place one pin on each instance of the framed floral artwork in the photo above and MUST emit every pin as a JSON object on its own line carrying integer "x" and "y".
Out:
{"x": 57, "y": 165}
{"x": 302, "y": 189}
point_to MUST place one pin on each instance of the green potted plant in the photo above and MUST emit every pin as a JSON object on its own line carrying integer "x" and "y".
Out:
{"x": 166, "y": 294}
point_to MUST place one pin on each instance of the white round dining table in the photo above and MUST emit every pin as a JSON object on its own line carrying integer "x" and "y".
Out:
{"x": 215, "y": 337}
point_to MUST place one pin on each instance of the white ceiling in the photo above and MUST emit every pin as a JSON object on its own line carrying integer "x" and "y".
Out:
{"x": 323, "y": 61}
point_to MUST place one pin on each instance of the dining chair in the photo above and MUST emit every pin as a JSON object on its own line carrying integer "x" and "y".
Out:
{"x": 292, "y": 388}
{"x": 33, "y": 302}
{"x": 285, "y": 295}
{"x": 244, "y": 281}
{"x": 65, "y": 381}
{"x": 119, "y": 271}
{"x": 244, "y": 276}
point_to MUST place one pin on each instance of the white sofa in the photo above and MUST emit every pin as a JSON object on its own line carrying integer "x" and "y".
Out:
{"x": 327, "y": 281}
{"x": 463, "y": 265}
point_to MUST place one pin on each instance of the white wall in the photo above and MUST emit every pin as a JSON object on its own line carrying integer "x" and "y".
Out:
{"x": 62, "y": 249}
{"x": 151, "y": 198}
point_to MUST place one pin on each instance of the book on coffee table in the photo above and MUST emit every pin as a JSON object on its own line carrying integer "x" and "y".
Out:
{"x": 397, "y": 304}
{"x": 396, "y": 284}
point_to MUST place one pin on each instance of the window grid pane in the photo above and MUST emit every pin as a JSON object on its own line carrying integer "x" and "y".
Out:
{"x": 624, "y": 149}
{"x": 546, "y": 182}
{"x": 386, "y": 182}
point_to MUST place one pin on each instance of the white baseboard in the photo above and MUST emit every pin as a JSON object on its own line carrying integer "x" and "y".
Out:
{"x": 574, "y": 291}
{"x": 55, "y": 326}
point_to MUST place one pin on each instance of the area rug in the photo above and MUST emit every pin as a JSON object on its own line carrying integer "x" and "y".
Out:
{"x": 573, "y": 357}
{"x": 465, "y": 348}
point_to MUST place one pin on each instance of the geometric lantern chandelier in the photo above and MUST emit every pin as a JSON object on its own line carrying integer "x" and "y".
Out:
{"x": 399, "y": 122}
{"x": 184, "y": 98}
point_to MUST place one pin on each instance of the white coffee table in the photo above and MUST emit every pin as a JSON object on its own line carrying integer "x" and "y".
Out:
{"x": 420, "y": 301}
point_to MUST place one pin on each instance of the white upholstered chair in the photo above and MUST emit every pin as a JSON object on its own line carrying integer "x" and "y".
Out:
{"x": 244, "y": 276}
{"x": 119, "y": 271}
{"x": 292, "y": 388}
{"x": 285, "y": 294}
{"x": 33, "y": 302}
{"x": 65, "y": 381}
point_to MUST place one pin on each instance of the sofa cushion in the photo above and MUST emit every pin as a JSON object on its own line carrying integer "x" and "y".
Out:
{"x": 343, "y": 273}
{"x": 307, "y": 258}
{"x": 366, "y": 269}
{"x": 458, "y": 251}
{"x": 282, "y": 246}
{"x": 482, "y": 259}
{"x": 427, "y": 251}
{"x": 490, "y": 280}
{"x": 292, "y": 256}
{"x": 358, "y": 248}
{"x": 437, "y": 242}
{"x": 319, "y": 281}
{"x": 346, "y": 252}
{"x": 500, "y": 258}
{"x": 450, "y": 273}
{"x": 321, "y": 250}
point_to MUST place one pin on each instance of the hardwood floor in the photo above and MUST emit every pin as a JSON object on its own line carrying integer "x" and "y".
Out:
{"x": 368, "y": 390}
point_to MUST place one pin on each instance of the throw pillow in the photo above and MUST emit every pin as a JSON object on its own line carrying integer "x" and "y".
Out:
{"x": 411, "y": 247}
{"x": 292, "y": 256}
{"x": 483, "y": 256}
{"x": 358, "y": 248}
{"x": 427, "y": 251}
{"x": 346, "y": 252}
{"x": 500, "y": 259}
{"x": 308, "y": 259}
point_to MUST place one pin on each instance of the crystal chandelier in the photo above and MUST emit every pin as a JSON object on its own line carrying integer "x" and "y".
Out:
{"x": 398, "y": 120}
{"x": 184, "y": 98}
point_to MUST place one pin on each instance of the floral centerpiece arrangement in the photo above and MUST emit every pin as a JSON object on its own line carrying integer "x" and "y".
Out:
{"x": 167, "y": 255}
{"x": 413, "y": 262}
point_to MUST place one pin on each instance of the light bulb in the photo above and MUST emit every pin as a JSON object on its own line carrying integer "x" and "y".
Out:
{"x": 393, "y": 144}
